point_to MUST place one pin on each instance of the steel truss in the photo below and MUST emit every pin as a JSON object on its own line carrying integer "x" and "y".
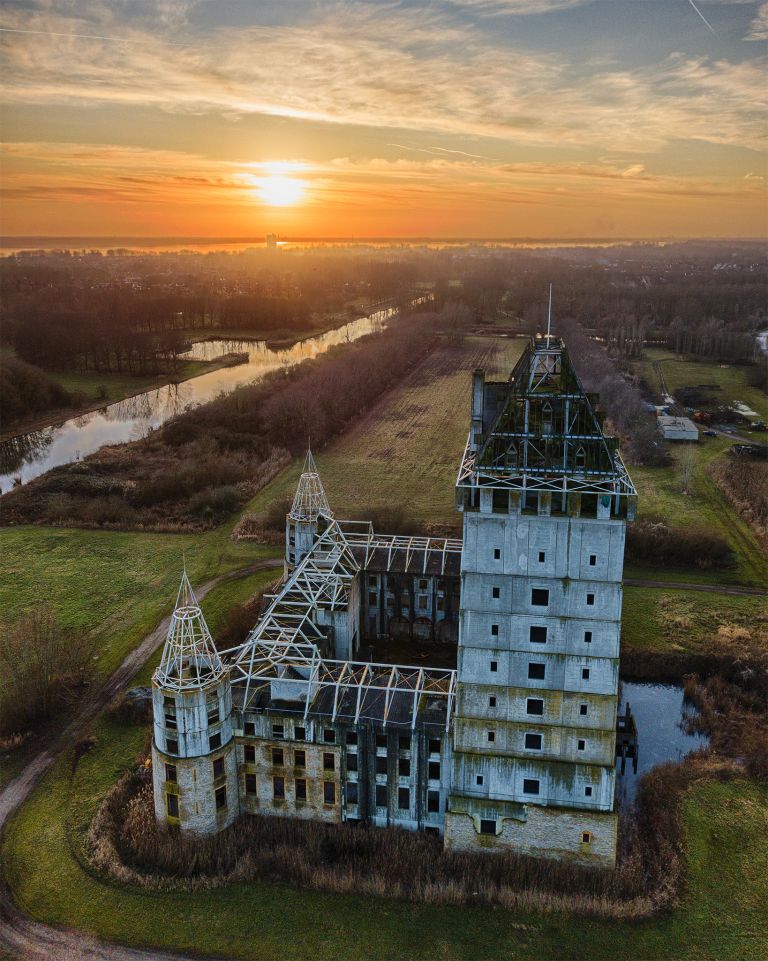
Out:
{"x": 286, "y": 644}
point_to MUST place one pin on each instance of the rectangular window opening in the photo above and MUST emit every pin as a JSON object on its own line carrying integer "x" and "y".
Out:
{"x": 538, "y": 635}
{"x": 277, "y": 756}
{"x": 536, "y": 672}
{"x": 433, "y": 802}
{"x": 301, "y": 789}
{"x": 172, "y": 805}
{"x": 539, "y": 597}
{"x": 329, "y": 762}
{"x": 221, "y": 798}
{"x": 590, "y": 600}
{"x": 278, "y": 788}
{"x": 534, "y": 705}
{"x": 487, "y": 826}
{"x": 531, "y": 785}
{"x": 533, "y": 742}
{"x": 329, "y": 792}
{"x": 403, "y": 799}
{"x": 494, "y": 666}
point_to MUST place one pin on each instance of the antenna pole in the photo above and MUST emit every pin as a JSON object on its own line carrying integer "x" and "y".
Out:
{"x": 549, "y": 314}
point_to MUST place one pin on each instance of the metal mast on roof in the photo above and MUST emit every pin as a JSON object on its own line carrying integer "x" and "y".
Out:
{"x": 549, "y": 315}
{"x": 310, "y": 501}
{"x": 190, "y": 659}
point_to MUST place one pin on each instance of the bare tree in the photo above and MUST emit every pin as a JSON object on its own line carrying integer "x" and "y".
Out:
{"x": 40, "y": 663}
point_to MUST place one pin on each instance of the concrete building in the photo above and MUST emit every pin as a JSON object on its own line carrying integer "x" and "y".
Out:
{"x": 514, "y": 748}
{"x": 673, "y": 427}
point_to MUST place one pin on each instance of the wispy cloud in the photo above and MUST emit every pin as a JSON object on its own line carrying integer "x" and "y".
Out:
{"x": 758, "y": 29}
{"x": 408, "y": 70}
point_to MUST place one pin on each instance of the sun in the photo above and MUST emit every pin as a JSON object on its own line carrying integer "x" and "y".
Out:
{"x": 279, "y": 191}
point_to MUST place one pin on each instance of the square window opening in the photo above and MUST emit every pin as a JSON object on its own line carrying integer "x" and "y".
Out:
{"x": 533, "y": 742}
{"x": 538, "y": 635}
{"x": 536, "y": 672}
{"x": 539, "y": 597}
{"x": 535, "y": 705}
{"x": 531, "y": 785}
{"x": 487, "y": 826}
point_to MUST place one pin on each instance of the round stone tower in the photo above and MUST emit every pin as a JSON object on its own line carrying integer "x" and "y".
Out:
{"x": 194, "y": 764}
{"x": 309, "y": 511}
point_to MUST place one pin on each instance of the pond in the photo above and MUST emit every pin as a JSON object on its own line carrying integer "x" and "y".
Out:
{"x": 659, "y": 711}
{"x": 28, "y": 455}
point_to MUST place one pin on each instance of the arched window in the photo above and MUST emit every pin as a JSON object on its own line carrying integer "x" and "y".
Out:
{"x": 512, "y": 456}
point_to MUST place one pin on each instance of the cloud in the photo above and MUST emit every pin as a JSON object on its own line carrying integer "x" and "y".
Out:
{"x": 758, "y": 29}
{"x": 382, "y": 66}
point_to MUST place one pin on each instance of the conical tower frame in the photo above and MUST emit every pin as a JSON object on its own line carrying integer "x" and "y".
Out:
{"x": 309, "y": 501}
{"x": 190, "y": 660}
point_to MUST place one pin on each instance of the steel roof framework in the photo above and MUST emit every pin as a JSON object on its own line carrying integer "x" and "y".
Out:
{"x": 285, "y": 644}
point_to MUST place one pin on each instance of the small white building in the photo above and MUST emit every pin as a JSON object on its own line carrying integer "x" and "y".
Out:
{"x": 677, "y": 428}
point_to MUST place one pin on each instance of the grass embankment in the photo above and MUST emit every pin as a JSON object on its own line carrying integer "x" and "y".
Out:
{"x": 406, "y": 451}
{"x": 726, "y": 837}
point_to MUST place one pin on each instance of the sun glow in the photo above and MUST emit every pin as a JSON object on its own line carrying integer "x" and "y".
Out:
{"x": 280, "y": 191}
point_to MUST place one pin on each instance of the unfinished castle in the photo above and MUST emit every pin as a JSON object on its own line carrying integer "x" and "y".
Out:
{"x": 513, "y": 749}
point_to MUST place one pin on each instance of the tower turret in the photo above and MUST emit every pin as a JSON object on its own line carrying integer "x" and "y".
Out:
{"x": 308, "y": 514}
{"x": 194, "y": 766}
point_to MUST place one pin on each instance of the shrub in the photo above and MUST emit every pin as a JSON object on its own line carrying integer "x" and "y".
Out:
{"x": 653, "y": 542}
{"x": 216, "y": 503}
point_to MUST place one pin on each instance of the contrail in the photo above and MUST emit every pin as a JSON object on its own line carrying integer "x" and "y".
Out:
{"x": 709, "y": 25}
{"x": 82, "y": 36}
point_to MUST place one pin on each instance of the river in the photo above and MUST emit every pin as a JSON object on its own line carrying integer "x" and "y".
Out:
{"x": 659, "y": 711}
{"x": 31, "y": 454}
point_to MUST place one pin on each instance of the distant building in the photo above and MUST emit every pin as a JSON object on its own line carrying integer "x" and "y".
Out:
{"x": 673, "y": 427}
{"x": 271, "y": 241}
{"x": 515, "y": 749}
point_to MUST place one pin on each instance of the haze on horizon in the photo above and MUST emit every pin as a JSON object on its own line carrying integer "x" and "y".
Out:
{"x": 450, "y": 118}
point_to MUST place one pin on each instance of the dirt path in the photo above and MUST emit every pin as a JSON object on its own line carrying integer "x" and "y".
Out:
{"x": 687, "y": 586}
{"x": 20, "y": 936}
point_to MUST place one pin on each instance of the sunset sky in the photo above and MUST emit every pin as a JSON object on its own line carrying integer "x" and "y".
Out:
{"x": 449, "y": 118}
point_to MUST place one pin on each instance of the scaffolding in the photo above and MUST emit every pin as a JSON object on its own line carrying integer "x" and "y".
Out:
{"x": 544, "y": 434}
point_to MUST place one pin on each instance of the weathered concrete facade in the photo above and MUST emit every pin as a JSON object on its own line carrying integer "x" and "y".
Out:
{"x": 516, "y": 748}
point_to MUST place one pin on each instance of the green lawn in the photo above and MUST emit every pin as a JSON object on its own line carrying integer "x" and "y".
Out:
{"x": 721, "y": 918}
{"x": 661, "y": 620}
{"x": 405, "y": 453}
{"x": 116, "y": 585}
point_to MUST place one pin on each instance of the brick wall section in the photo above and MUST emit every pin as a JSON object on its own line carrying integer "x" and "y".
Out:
{"x": 548, "y": 832}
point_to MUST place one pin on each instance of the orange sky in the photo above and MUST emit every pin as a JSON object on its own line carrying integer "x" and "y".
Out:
{"x": 450, "y": 118}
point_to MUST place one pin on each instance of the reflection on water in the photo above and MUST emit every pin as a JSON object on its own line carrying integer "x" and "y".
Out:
{"x": 32, "y": 454}
{"x": 659, "y": 711}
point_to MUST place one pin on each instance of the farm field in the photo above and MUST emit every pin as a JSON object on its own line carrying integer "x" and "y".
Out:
{"x": 726, "y": 839}
{"x": 681, "y": 373}
{"x": 405, "y": 453}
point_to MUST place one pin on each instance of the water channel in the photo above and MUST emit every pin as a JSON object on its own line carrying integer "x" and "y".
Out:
{"x": 31, "y": 454}
{"x": 659, "y": 711}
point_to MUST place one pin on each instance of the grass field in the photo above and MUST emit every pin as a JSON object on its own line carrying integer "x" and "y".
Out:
{"x": 108, "y": 388}
{"x": 660, "y": 494}
{"x": 692, "y": 621}
{"x": 406, "y": 451}
{"x": 727, "y": 841}
{"x": 115, "y": 585}
{"x": 688, "y": 373}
